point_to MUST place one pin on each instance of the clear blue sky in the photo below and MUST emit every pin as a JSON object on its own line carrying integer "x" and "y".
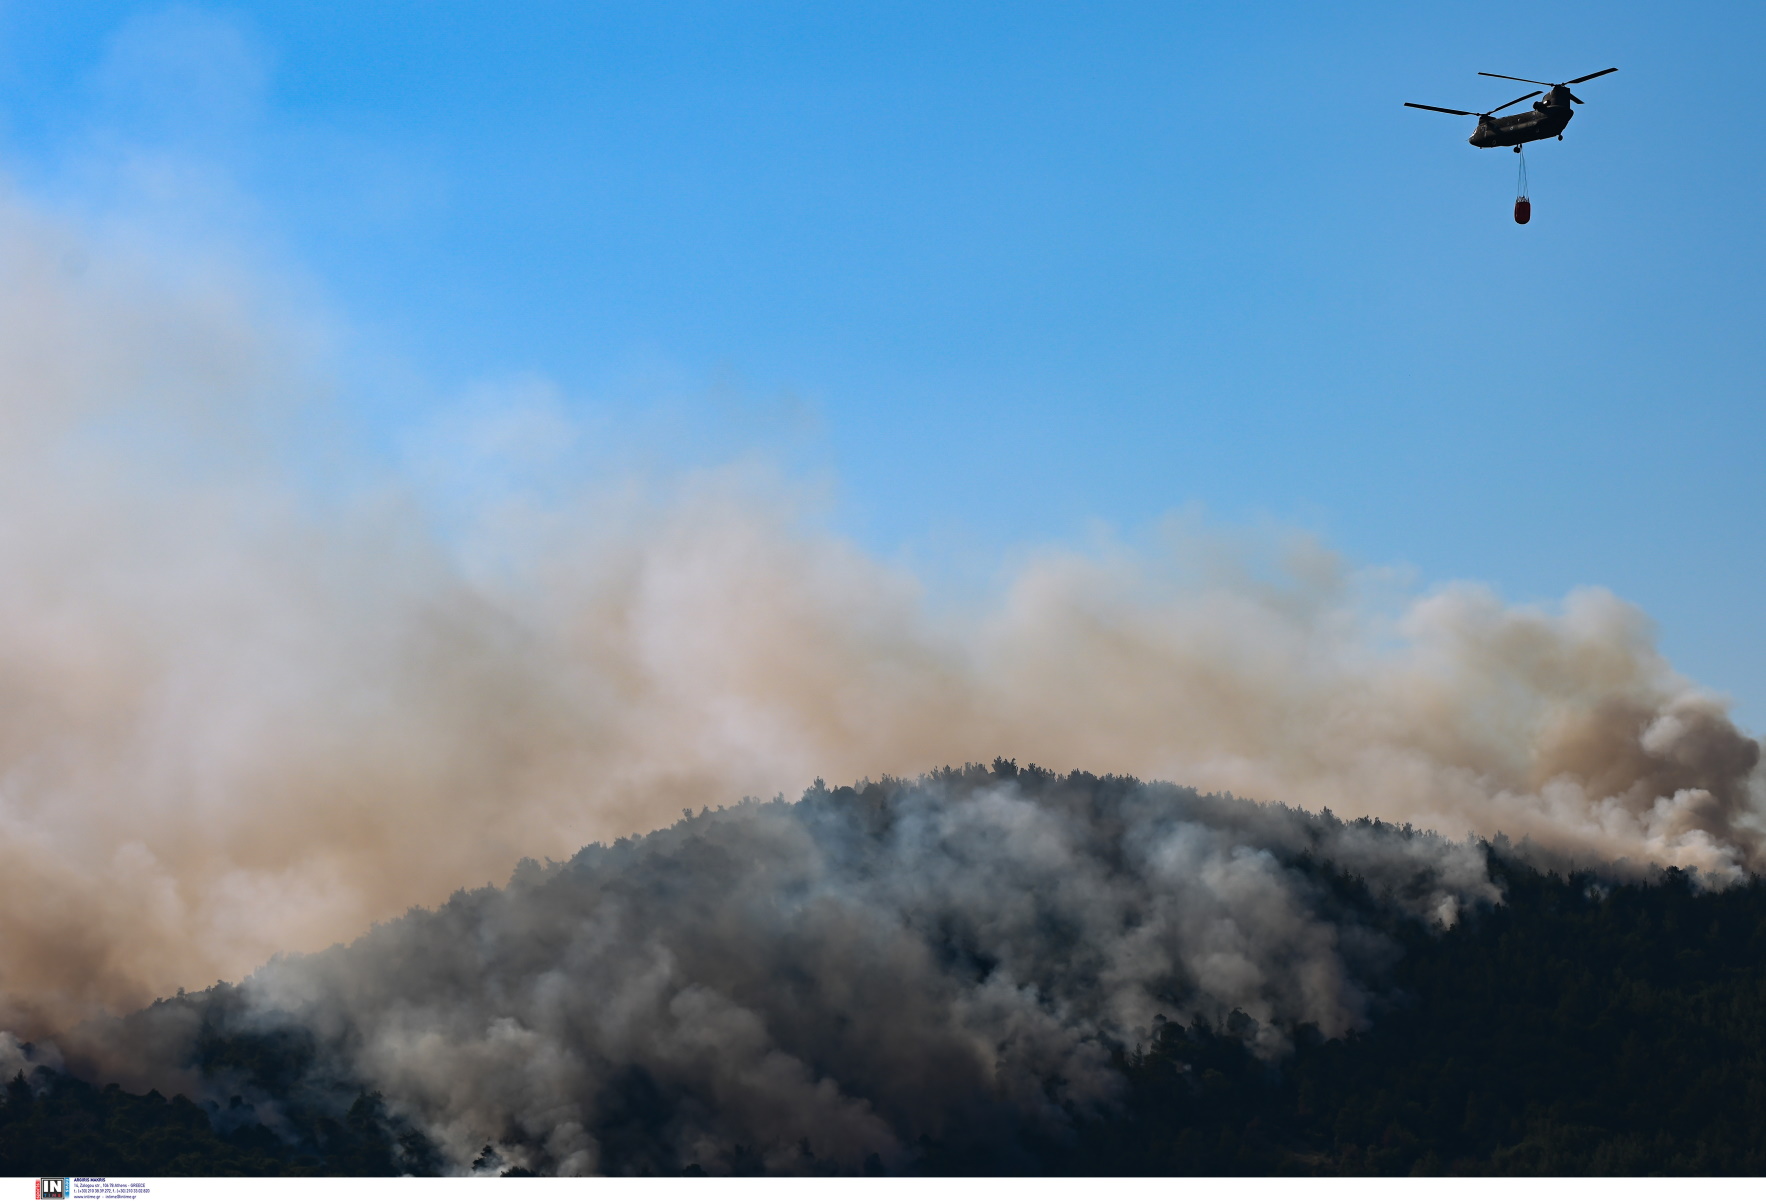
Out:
{"x": 1034, "y": 265}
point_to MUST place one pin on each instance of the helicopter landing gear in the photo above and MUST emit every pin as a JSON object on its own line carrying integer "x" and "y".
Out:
{"x": 1516, "y": 149}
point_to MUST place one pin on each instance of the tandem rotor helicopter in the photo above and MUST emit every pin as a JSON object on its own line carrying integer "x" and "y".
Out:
{"x": 1546, "y": 120}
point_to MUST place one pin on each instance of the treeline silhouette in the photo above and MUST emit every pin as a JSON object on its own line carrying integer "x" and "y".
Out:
{"x": 1585, "y": 1025}
{"x": 1579, "y": 1028}
{"x": 55, "y": 1124}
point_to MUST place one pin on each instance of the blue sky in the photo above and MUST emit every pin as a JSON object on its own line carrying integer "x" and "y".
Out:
{"x": 1003, "y": 271}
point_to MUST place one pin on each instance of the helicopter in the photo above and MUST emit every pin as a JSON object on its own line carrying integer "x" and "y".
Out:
{"x": 1547, "y": 120}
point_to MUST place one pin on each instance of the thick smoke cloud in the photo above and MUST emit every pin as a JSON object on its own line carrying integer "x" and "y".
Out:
{"x": 803, "y": 987}
{"x": 254, "y": 701}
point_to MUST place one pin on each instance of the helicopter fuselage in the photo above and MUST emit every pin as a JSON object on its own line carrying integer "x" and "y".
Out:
{"x": 1547, "y": 120}
{"x": 1544, "y": 120}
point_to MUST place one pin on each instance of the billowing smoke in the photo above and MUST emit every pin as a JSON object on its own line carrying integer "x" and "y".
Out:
{"x": 259, "y": 693}
{"x": 805, "y": 987}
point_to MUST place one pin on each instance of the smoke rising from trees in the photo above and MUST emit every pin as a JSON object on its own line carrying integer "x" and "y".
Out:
{"x": 254, "y": 701}
{"x": 805, "y": 987}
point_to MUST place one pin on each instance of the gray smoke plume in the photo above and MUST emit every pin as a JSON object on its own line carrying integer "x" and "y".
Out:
{"x": 803, "y": 987}
{"x": 253, "y": 702}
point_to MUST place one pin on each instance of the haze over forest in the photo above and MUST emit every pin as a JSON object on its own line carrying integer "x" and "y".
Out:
{"x": 272, "y": 716}
{"x": 274, "y": 711}
{"x": 511, "y": 783}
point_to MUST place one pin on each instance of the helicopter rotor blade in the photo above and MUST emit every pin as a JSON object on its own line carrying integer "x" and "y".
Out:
{"x": 1516, "y": 100}
{"x": 1542, "y": 83}
{"x": 1576, "y": 98}
{"x": 1458, "y": 112}
{"x": 1518, "y": 79}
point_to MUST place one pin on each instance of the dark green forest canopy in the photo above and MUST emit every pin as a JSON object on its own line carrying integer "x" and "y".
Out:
{"x": 1578, "y": 1028}
{"x": 1585, "y": 1024}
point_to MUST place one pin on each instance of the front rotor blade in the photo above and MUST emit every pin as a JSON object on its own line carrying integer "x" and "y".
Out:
{"x": 1541, "y": 82}
{"x": 1575, "y": 97}
{"x": 1586, "y": 78}
{"x": 1516, "y": 100}
{"x": 1458, "y": 112}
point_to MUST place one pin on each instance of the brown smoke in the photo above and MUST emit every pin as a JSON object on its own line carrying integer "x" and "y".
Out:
{"x": 241, "y": 712}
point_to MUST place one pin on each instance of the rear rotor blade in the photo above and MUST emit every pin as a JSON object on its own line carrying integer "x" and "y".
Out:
{"x": 1516, "y": 100}
{"x": 1586, "y": 78}
{"x": 1458, "y": 112}
{"x": 1541, "y": 82}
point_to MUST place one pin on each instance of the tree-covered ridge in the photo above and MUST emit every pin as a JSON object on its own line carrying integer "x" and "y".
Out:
{"x": 1579, "y": 1028}
{"x": 1583, "y": 1024}
{"x": 56, "y": 1124}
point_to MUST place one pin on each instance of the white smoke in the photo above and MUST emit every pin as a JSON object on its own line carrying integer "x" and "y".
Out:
{"x": 23, "y": 1059}
{"x": 956, "y": 960}
{"x": 253, "y": 702}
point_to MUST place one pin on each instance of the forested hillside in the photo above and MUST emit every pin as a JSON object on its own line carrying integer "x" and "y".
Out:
{"x": 1578, "y": 1028}
{"x": 1387, "y": 1002}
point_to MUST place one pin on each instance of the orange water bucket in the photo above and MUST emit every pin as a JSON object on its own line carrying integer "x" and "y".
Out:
{"x": 1523, "y": 210}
